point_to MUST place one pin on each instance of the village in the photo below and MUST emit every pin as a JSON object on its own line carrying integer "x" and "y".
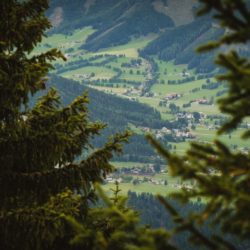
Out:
{"x": 153, "y": 174}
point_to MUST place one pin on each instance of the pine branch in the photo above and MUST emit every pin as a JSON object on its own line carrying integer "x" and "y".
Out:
{"x": 40, "y": 185}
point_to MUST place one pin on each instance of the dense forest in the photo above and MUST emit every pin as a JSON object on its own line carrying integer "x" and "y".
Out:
{"x": 152, "y": 213}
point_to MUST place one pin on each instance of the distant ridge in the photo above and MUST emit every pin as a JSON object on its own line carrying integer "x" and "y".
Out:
{"x": 180, "y": 11}
{"x": 116, "y": 22}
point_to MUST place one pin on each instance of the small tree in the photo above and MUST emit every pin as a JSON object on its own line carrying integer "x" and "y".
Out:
{"x": 157, "y": 168}
{"x": 197, "y": 116}
{"x": 117, "y": 227}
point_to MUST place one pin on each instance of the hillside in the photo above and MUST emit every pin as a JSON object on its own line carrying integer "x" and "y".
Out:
{"x": 102, "y": 105}
{"x": 180, "y": 11}
{"x": 179, "y": 44}
{"x": 118, "y": 113}
{"x": 115, "y": 22}
{"x": 136, "y": 79}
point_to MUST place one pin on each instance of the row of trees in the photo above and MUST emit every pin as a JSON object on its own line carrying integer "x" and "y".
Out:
{"x": 90, "y": 62}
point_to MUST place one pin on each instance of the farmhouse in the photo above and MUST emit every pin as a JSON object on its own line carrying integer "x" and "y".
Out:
{"x": 186, "y": 135}
{"x": 68, "y": 56}
{"x": 82, "y": 76}
{"x": 110, "y": 180}
{"x": 172, "y": 96}
{"x": 166, "y": 130}
{"x": 203, "y": 101}
{"x": 145, "y": 129}
{"x": 185, "y": 115}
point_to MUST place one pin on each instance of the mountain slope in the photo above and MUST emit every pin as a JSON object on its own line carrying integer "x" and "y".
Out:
{"x": 115, "y": 22}
{"x": 115, "y": 111}
{"x": 179, "y": 44}
{"x": 180, "y": 11}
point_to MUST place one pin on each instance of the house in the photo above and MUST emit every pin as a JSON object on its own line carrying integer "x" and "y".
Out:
{"x": 110, "y": 180}
{"x": 145, "y": 129}
{"x": 82, "y": 76}
{"x": 166, "y": 130}
{"x": 155, "y": 182}
{"x": 203, "y": 101}
{"x": 119, "y": 180}
{"x": 172, "y": 96}
{"x": 68, "y": 56}
{"x": 136, "y": 171}
{"x": 186, "y": 135}
{"x": 159, "y": 135}
{"x": 189, "y": 116}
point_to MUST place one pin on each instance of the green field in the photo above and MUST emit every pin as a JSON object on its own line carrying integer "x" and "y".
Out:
{"x": 132, "y": 77}
{"x": 164, "y": 89}
{"x": 118, "y": 91}
{"x": 170, "y": 71}
{"x": 64, "y": 42}
{"x": 100, "y": 73}
{"x": 130, "y": 49}
{"x": 140, "y": 188}
{"x": 167, "y": 71}
{"x": 127, "y": 164}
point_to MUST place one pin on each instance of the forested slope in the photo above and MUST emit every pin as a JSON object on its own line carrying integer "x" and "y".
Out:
{"x": 117, "y": 113}
{"x": 114, "y": 111}
{"x": 115, "y": 22}
{"x": 153, "y": 213}
{"x": 179, "y": 44}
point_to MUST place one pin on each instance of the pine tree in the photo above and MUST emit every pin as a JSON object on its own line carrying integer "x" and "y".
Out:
{"x": 41, "y": 182}
{"x": 44, "y": 189}
{"x": 222, "y": 175}
{"x": 115, "y": 226}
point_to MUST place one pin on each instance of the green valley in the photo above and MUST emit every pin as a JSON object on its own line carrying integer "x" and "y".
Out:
{"x": 184, "y": 98}
{"x": 124, "y": 124}
{"x": 156, "y": 70}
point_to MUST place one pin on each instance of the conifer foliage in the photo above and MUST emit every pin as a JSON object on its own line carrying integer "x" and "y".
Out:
{"x": 45, "y": 192}
{"x": 222, "y": 175}
{"x": 40, "y": 178}
{"x": 115, "y": 226}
